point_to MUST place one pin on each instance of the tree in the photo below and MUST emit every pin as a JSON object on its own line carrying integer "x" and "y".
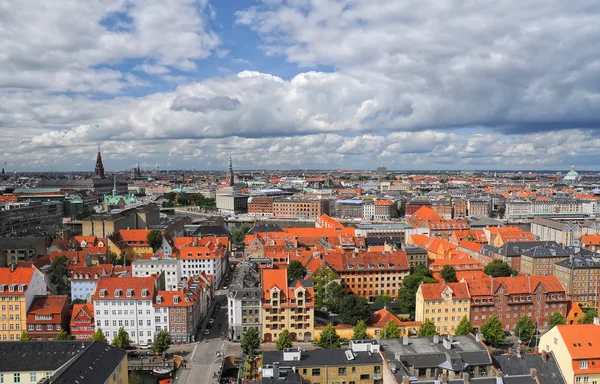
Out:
{"x": 334, "y": 294}
{"x": 329, "y": 338}
{"x": 162, "y": 341}
{"x": 58, "y": 275}
{"x": 391, "y": 330}
{"x": 353, "y": 309}
{"x": 421, "y": 270}
{"x": 360, "y": 330}
{"x": 321, "y": 279}
{"x": 407, "y": 293}
{"x": 98, "y": 336}
{"x": 449, "y": 274}
{"x": 501, "y": 212}
{"x": 239, "y": 234}
{"x": 250, "y": 341}
{"x": 135, "y": 378}
{"x": 122, "y": 340}
{"x": 25, "y": 336}
{"x": 556, "y": 319}
{"x": 284, "y": 340}
{"x": 525, "y": 329}
{"x": 464, "y": 327}
{"x": 492, "y": 330}
{"x": 155, "y": 239}
{"x": 428, "y": 328}
{"x": 498, "y": 268}
{"x": 382, "y": 299}
{"x": 589, "y": 317}
{"x": 63, "y": 335}
{"x": 296, "y": 271}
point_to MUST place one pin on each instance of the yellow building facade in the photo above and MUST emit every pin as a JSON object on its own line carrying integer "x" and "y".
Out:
{"x": 443, "y": 303}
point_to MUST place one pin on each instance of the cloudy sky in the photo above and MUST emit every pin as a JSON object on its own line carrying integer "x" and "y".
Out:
{"x": 412, "y": 84}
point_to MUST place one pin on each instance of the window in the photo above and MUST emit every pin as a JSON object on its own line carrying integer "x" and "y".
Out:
{"x": 33, "y": 378}
{"x": 316, "y": 372}
{"x": 16, "y": 378}
{"x": 583, "y": 364}
{"x": 342, "y": 371}
{"x": 365, "y": 377}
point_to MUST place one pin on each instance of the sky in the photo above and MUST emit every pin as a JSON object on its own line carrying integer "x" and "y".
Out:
{"x": 277, "y": 84}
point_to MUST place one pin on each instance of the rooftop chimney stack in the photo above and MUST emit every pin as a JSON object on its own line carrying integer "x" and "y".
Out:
{"x": 544, "y": 356}
{"x": 465, "y": 377}
{"x": 436, "y": 339}
{"x": 533, "y": 372}
{"x": 596, "y": 320}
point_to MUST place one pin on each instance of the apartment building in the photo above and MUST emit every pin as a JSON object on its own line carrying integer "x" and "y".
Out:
{"x": 576, "y": 351}
{"x": 47, "y": 316}
{"x": 244, "y": 302}
{"x": 580, "y": 275}
{"x": 286, "y": 306}
{"x": 84, "y": 280}
{"x": 479, "y": 206}
{"x": 443, "y": 303}
{"x": 208, "y": 257}
{"x": 103, "y": 225}
{"x": 156, "y": 265}
{"x": 416, "y": 255}
{"x": 361, "y": 363}
{"x": 517, "y": 209}
{"x": 384, "y": 209}
{"x": 459, "y": 209}
{"x": 82, "y": 321}
{"x": 18, "y": 289}
{"x": 260, "y": 205}
{"x": 369, "y": 274}
{"x": 443, "y": 229}
{"x": 25, "y": 216}
{"x": 540, "y": 260}
{"x": 443, "y": 208}
{"x": 126, "y": 302}
{"x": 552, "y": 230}
{"x": 350, "y": 208}
{"x": 511, "y": 298}
{"x": 21, "y": 249}
{"x": 293, "y": 207}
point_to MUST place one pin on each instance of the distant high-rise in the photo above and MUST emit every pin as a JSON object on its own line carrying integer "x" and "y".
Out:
{"x": 99, "y": 172}
{"x": 229, "y": 176}
{"x": 381, "y": 171}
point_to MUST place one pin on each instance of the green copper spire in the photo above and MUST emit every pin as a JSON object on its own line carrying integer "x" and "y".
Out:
{"x": 229, "y": 166}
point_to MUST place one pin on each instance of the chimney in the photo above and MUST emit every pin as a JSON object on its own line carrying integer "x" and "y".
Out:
{"x": 12, "y": 267}
{"x": 404, "y": 340}
{"x": 544, "y": 356}
{"x": 596, "y": 320}
{"x": 533, "y": 372}
{"x": 478, "y": 337}
{"x": 405, "y": 380}
{"x": 444, "y": 378}
{"x": 436, "y": 339}
{"x": 465, "y": 377}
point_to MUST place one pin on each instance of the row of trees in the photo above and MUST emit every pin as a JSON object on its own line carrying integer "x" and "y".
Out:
{"x": 496, "y": 268}
{"x": 195, "y": 199}
{"x": 162, "y": 340}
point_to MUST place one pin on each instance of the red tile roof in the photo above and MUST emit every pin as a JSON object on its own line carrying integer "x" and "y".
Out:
{"x": 422, "y": 215}
{"x": 167, "y": 299}
{"x": 434, "y": 291}
{"x": 82, "y": 312}
{"x": 17, "y": 277}
{"x": 110, "y": 285}
{"x": 583, "y": 342}
{"x": 138, "y": 236}
{"x": 381, "y": 317}
{"x": 47, "y": 306}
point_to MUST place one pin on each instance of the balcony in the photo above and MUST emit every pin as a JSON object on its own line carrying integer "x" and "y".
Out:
{"x": 377, "y": 376}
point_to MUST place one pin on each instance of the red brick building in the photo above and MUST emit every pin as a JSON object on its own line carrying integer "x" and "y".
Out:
{"x": 82, "y": 321}
{"x": 511, "y": 298}
{"x": 443, "y": 228}
{"x": 459, "y": 209}
{"x": 47, "y": 316}
{"x": 260, "y": 205}
{"x": 414, "y": 205}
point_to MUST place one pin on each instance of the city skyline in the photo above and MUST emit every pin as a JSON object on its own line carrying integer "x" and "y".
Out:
{"x": 333, "y": 84}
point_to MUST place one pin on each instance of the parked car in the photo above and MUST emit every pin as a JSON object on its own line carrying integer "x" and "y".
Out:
{"x": 206, "y": 332}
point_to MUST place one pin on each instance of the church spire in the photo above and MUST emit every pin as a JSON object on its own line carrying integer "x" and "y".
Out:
{"x": 229, "y": 176}
{"x": 99, "y": 171}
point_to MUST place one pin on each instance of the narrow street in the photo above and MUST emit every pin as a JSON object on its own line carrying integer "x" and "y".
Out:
{"x": 204, "y": 359}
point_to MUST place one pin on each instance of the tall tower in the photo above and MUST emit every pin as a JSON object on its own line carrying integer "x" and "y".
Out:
{"x": 229, "y": 175}
{"x": 99, "y": 172}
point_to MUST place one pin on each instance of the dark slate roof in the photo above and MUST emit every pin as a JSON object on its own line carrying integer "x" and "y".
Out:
{"x": 286, "y": 376}
{"x": 525, "y": 379}
{"x": 376, "y": 240}
{"x": 94, "y": 365}
{"x": 547, "y": 371}
{"x": 211, "y": 230}
{"x": 321, "y": 357}
{"x": 414, "y": 250}
{"x": 38, "y": 355}
{"x": 265, "y": 228}
{"x": 511, "y": 248}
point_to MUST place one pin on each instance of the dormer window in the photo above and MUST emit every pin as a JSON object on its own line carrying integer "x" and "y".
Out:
{"x": 176, "y": 299}
{"x": 158, "y": 299}
{"x": 12, "y": 287}
{"x": 22, "y": 287}
{"x": 95, "y": 275}
{"x": 129, "y": 292}
{"x": 144, "y": 292}
{"x": 118, "y": 292}
{"x": 87, "y": 275}
{"x": 3, "y": 287}
{"x": 103, "y": 292}
{"x": 583, "y": 364}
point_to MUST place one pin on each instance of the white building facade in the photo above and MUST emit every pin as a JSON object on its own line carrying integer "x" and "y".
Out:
{"x": 155, "y": 265}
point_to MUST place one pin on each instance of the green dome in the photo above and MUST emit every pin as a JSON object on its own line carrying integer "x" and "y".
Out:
{"x": 572, "y": 175}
